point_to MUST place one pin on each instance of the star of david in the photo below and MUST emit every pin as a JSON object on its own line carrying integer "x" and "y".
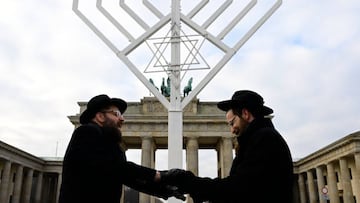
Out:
{"x": 161, "y": 49}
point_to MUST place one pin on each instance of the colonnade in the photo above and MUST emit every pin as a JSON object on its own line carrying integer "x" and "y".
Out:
{"x": 335, "y": 181}
{"x": 23, "y": 184}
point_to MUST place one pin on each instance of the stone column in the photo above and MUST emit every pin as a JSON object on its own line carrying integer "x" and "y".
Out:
{"x": 5, "y": 180}
{"x": 332, "y": 184}
{"x": 39, "y": 188}
{"x": 18, "y": 184}
{"x": 346, "y": 181}
{"x": 192, "y": 158}
{"x": 356, "y": 176}
{"x": 59, "y": 181}
{"x": 227, "y": 155}
{"x": 27, "y": 185}
{"x": 302, "y": 190}
{"x": 320, "y": 183}
{"x": 192, "y": 155}
{"x": 311, "y": 187}
{"x": 146, "y": 153}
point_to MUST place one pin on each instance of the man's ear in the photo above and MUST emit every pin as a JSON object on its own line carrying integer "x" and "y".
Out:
{"x": 99, "y": 118}
{"x": 247, "y": 115}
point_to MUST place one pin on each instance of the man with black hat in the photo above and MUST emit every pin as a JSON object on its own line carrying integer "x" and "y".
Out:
{"x": 95, "y": 167}
{"x": 262, "y": 170}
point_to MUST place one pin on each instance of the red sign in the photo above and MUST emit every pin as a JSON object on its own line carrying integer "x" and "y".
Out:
{"x": 324, "y": 190}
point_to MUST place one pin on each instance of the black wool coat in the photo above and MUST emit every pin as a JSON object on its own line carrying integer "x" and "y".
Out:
{"x": 95, "y": 168}
{"x": 262, "y": 170}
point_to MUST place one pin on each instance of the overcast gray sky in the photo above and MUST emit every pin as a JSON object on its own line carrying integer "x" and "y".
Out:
{"x": 304, "y": 61}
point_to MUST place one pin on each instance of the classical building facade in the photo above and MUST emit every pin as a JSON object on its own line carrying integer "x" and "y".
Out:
{"x": 25, "y": 178}
{"x": 331, "y": 174}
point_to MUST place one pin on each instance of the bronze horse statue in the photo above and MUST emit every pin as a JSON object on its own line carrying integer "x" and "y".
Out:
{"x": 165, "y": 90}
{"x": 188, "y": 87}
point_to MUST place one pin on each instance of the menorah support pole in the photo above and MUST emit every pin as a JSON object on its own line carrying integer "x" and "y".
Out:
{"x": 175, "y": 112}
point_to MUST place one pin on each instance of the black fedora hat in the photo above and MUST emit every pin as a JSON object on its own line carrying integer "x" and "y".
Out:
{"x": 99, "y": 102}
{"x": 246, "y": 99}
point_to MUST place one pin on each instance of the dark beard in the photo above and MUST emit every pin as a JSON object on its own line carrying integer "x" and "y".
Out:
{"x": 112, "y": 133}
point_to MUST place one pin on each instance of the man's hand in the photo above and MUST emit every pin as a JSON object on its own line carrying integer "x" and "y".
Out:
{"x": 176, "y": 176}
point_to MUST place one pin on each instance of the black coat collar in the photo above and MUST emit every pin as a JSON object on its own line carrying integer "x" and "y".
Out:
{"x": 256, "y": 124}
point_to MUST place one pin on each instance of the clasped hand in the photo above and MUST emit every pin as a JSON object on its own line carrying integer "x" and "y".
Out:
{"x": 178, "y": 178}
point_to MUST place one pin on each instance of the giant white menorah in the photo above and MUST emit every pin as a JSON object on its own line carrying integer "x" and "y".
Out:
{"x": 169, "y": 48}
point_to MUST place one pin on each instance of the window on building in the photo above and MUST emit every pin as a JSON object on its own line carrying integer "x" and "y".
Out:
{"x": 325, "y": 180}
{"x": 341, "y": 199}
{"x": 351, "y": 177}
